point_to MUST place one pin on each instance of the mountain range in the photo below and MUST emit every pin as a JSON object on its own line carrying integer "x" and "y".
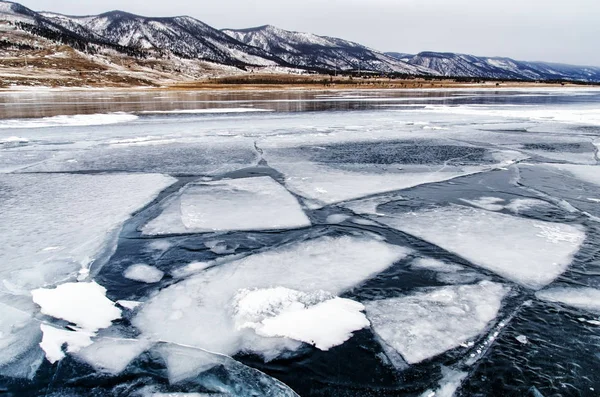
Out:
{"x": 188, "y": 46}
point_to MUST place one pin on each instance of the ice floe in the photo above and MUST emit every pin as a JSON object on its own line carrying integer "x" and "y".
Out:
{"x": 449, "y": 384}
{"x": 112, "y": 355}
{"x": 328, "y": 185}
{"x": 83, "y": 304}
{"x": 578, "y": 297}
{"x": 236, "y": 204}
{"x": 430, "y": 322}
{"x": 51, "y": 226}
{"x": 143, "y": 273}
{"x": 435, "y": 265}
{"x": 529, "y": 252}
{"x": 77, "y": 120}
{"x": 200, "y": 311}
{"x": 487, "y": 203}
{"x": 316, "y": 318}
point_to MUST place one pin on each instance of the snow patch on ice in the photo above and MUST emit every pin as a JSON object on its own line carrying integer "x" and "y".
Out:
{"x": 54, "y": 338}
{"x": 131, "y": 305}
{"x": 78, "y": 120}
{"x": 431, "y": 322}
{"x": 199, "y": 310}
{"x": 580, "y": 297}
{"x": 143, "y": 273}
{"x": 83, "y": 304}
{"x": 315, "y": 318}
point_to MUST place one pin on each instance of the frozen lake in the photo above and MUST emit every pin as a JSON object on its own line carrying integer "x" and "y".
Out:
{"x": 370, "y": 243}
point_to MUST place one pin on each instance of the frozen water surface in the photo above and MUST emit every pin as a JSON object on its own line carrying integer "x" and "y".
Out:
{"x": 393, "y": 242}
{"x": 426, "y": 324}
{"x": 237, "y": 204}
{"x": 529, "y": 252}
{"x": 200, "y": 311}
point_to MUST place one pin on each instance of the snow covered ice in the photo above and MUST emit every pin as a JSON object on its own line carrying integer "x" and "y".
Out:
{"x": 143, "y": 273}
{"x": 237, "y": 204}
{"x": 425, "y": 324}
{"x": 578, "y": 297}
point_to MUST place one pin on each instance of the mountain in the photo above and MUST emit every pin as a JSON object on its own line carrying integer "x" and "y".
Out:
{"x": 310, "y": 51}
{"x": 461, "y": 65}
{"x": 182, "y": 36}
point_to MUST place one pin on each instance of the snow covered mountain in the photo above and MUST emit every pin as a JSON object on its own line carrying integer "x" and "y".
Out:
{"x": 321, "y": 52}
{"x": 182, "y": 36}
{"x": 461, "y": 65}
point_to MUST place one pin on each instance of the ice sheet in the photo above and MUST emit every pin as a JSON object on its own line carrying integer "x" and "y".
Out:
{"x": 19, "y": 331}
{"x": 200, "y": 310}
{"x": 330, "y": 185}
{"x": 574, "y": 115}
{"x": 433, "y": 321}
{"x": 315, "y": 318}
{"x": 236, "y": 204}
{"x": 529, "y": 252}
{"x": 578, "y": 297}
{"x": 78, "y": 120}
{"x": 83, "y": 304}
{"x": 143, "y": 273}
{"x": 110, "y": 355}
{"x": 51, "y": 226}
{"x": 586, "y": 173}
{"x": 207, "y": 111}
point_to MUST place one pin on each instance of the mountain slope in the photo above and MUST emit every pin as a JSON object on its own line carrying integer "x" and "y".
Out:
{"x": 462, "y": 65}
{"x": 320, "y": 52}
{"x": 182, "y": 36}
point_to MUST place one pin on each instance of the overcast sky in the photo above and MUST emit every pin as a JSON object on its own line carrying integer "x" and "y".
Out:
{"x": 545, "y": 30}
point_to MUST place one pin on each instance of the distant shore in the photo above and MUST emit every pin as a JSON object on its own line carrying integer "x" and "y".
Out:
{"x": 274, "y": 82}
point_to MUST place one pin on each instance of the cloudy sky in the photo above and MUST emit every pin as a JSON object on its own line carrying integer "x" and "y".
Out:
{"x": 545, "y": 30}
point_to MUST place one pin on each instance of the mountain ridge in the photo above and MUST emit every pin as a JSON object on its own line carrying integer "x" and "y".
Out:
{"x": 170, "y": 41}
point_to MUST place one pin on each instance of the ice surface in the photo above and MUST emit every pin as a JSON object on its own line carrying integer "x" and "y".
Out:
{"x": 186, "y": 364}
{"x": 330, "y": 185}
{"x": 144, "y": 273}
{"x": 111, "y": 355}
{"x": 209, "y": 111}
{"x": 578, "y": 297}
{"x": 199, "y": 311}
{"x": 575, "y": 115}
{"x": 433, "y": 321}
{"x": 55, "y": 338}
{"x": 51, "y": 226}
{"x": 530, "y": 252}
{"x": 131, "y": 305}
{"x": 487, "y": 203}
{"x": 78, "y": 120}
{"x": 451, "y": 381}
{"x": 316, "y": 318}
{"x": 19, "y": 331}
{"x": 83, "y": 304}
{"x": 435, "y": 265}
{"x": 236, "y": 204}
{"x": 586, "y": 173}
